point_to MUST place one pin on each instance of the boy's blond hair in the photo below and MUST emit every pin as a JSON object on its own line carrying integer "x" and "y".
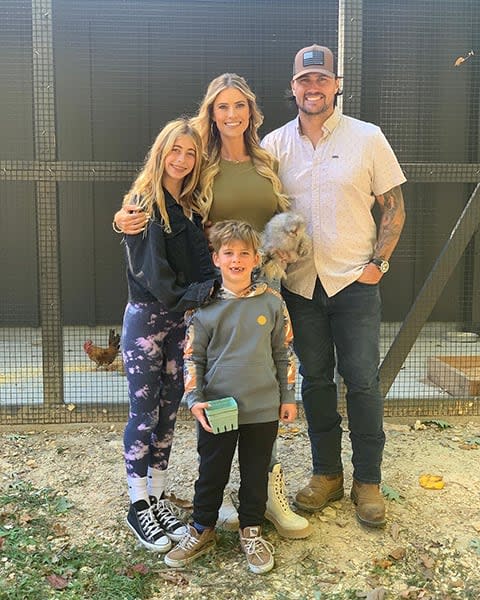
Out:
{"x": 224, "y": 232}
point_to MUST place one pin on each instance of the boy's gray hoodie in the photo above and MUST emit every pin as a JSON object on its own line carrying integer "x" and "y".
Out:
{"x": 240, "y": 346}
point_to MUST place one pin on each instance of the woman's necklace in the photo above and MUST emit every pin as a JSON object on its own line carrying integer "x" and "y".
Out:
{"x": 235, "y": 161}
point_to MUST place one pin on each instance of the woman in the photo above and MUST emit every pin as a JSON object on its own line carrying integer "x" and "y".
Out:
{"x": 169, "y": 257}
{"x": 239, "y": 181}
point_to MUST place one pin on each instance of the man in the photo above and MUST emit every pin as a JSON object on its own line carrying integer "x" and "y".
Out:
{"x": 334, "y": 169}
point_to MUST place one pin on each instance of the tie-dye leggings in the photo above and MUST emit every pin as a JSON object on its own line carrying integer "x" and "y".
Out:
{"x": 152, "y": 351}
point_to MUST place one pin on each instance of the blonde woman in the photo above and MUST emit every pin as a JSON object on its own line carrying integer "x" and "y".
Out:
{"x": 169, "y": 270}
{"x": 239, "y": 181}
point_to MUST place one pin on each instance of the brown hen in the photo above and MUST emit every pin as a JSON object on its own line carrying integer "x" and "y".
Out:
{"x": 103, "y": 357}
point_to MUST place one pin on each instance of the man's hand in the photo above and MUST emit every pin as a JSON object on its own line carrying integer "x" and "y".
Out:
{"x": 131, "y": 219}
{"x": 288, "y": 412}
{"x": 198, "y": 411}
{"x": 371, "y": 275}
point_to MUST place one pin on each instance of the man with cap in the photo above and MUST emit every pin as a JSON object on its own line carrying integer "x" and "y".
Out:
{"x": 335, "y": 169}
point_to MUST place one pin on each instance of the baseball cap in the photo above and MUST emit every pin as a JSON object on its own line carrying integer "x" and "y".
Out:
{"x": 316, "y": 59}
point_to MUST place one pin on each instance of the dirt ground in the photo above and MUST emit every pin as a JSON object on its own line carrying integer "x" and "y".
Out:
{"x": 429, "y": 549}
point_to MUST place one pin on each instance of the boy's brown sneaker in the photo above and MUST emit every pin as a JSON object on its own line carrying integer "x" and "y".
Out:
{"x": 258, "y": 551}
{"x": 370, "y": 505}
{"x": 191, "y": 546}
{"x": 321, "y": 490}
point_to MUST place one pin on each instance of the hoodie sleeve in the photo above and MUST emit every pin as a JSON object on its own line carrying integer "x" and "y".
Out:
{"x": 283, "y": 356}
{"x": 195, "y": 360}
{"x": 148, "y": 265}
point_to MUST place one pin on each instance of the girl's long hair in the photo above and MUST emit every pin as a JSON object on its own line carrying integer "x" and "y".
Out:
{"x": 264, "y": 163}
{"x": 147, "y": 188}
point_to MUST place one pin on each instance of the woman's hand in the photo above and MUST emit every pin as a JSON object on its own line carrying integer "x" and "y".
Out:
{"x": 288, "y": 412}
{"x": 198, "y": 411}
{"x": 130, "y": 219}
{"x": 206, "y": 230}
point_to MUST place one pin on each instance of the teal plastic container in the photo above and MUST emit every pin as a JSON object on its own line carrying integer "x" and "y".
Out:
{"x": 222, "y": 414}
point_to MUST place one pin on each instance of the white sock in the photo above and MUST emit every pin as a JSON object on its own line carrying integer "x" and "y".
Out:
{"x": 156, "y": 482}
{"x": 137, "y": 489}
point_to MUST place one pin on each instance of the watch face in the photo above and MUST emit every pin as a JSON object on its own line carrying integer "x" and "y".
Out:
{"x": 384, "y": 266}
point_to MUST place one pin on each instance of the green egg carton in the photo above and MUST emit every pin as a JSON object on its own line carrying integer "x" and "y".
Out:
{"x": 222, "y": 414}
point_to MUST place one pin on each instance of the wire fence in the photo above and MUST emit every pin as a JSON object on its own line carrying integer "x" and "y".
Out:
{"x": 86, "y": 87}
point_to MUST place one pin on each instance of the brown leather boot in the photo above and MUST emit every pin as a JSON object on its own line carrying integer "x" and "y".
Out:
{"x": 321, "y": 490}
{"x": 370, "y": 506}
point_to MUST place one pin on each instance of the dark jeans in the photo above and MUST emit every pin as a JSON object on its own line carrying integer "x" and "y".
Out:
{"x": 349, "y": 323}
{"x": 216, "y": 452}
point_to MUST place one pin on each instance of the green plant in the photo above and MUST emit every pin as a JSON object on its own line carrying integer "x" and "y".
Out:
{"x": 38, "y": 560}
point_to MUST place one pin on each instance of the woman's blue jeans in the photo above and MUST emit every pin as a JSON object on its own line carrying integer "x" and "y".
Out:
{"x": 348, "y": 323}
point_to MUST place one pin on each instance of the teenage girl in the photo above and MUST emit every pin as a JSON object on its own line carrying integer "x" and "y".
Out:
{"x": 169, "y": 270}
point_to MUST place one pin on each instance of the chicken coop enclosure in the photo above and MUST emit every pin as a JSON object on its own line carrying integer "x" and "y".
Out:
{"x": 86, "y": 86}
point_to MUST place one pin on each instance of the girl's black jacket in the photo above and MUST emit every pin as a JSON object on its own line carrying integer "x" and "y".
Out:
{"x": 174, "y": 268}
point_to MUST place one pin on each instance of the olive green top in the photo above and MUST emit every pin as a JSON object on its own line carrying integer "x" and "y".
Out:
{"x": 239, "y": 192}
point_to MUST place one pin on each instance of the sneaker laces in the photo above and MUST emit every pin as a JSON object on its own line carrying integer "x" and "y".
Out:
{"x": 256, "y": 545}
{"x": 149, "y": 524}
{"x": 165, "y": 514}
{"x": 188, "y": 541}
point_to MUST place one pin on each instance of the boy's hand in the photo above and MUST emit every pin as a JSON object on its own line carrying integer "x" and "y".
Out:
{"x": 288, "y": 412}
{"x": 198, "y": 411}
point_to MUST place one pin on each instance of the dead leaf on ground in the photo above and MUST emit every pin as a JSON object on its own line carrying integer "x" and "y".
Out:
{"x": 2, "y": 542}
{"x": 382, "y": 563}
{"x": 397, "y": 553}
{"x": 174, "y": 577}
{"x": 24, "y": 518}
{"x": 395, "y": 531}
{"x": 410, "y": 592}
{"x": 427, "y": 561}
{"x": 59, "y": 530}
{"x": 137, "y": 569}
{"x": 376, "y": 594}
{"x": 186, "y": 504}
{"x": 431, "y": 482}
{"x": 466, "y": 446}
{"x": 286, "y": 431}
{"x": 57, "y": 582}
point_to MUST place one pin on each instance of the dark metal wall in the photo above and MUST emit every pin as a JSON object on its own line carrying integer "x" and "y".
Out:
{"x": 86, "y": 86}
{"x": 121, "y": 69}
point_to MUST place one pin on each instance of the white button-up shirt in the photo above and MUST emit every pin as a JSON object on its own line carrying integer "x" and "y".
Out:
{"x": 334, "y": 187}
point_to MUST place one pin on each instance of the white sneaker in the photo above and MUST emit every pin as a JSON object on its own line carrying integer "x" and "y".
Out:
{"x": 228, "y": 515}
{"x": 278, "y": 511}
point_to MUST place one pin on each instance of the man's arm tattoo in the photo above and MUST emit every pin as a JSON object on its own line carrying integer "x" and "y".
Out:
{"x": 392, "y": 221}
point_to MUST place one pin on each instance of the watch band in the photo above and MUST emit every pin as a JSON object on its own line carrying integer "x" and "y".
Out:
{"x": 382, "y": 264}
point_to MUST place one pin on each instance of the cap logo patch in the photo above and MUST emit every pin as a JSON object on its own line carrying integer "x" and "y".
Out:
{"x": 313, "y": 57}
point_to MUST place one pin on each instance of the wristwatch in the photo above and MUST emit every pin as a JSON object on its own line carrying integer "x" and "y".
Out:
{"x": 382, "y": 264}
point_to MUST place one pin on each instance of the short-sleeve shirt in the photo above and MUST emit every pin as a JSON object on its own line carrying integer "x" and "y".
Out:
{"x": 334, "y": 187}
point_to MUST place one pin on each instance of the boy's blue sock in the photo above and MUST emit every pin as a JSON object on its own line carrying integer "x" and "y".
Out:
{"x": 199, "y": 528}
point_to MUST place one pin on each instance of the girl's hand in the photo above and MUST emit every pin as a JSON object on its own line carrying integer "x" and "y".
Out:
{"x": 198, "y": 411}
{"x": 288, "y": 412}
{"x": 131, "y": 219}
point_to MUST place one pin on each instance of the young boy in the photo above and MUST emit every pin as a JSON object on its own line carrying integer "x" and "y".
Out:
{"x": 239, "y": 345}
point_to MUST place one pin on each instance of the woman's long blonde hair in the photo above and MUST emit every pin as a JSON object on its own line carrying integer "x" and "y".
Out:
{"x": 265, "y": 164}
{"x": 147, "y": 188}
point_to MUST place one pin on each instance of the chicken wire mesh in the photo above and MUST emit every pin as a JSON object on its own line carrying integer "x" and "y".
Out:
{"x": 85, "y": 88}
